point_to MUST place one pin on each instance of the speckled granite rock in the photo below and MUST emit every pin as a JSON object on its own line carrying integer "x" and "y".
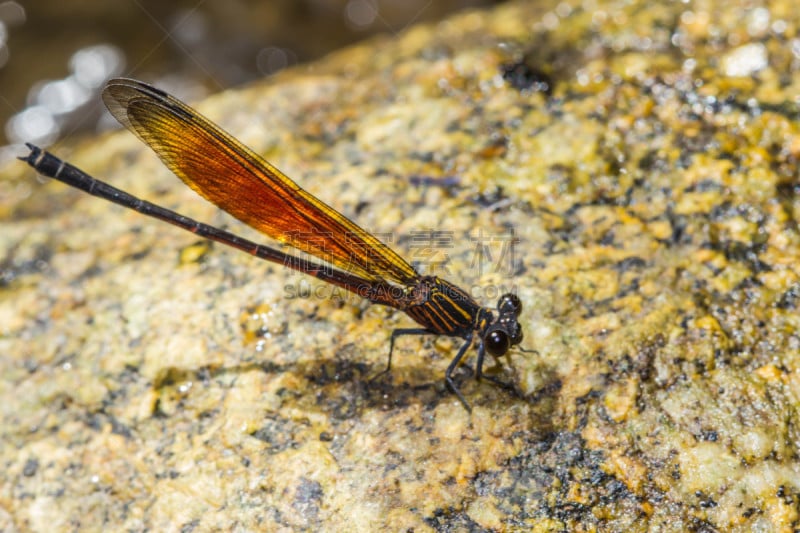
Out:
{"x": 645, "y": 156}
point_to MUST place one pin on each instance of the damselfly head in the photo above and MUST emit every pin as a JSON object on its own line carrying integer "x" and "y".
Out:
{"x": 505, "y": 332}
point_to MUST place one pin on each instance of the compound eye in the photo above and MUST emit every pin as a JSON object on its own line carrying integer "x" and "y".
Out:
{"x": 497, "y": 343}
{"x": 517, "y": 338}
{"x": 509, "y": 303}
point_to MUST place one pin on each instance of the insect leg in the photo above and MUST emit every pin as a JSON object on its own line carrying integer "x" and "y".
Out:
{"x": 397, "y": 333}
{"x": 479, "y": 370}
{"x": 448, "y": 374}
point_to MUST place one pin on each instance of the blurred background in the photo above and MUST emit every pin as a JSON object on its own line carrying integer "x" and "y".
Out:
{"x": 55, "y": 55}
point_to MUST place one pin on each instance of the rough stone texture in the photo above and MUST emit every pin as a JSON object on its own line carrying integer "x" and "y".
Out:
{"x": 151, "y": 382}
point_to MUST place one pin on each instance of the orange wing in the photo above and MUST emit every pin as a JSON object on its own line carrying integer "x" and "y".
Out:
{"x": 236, "y": 179}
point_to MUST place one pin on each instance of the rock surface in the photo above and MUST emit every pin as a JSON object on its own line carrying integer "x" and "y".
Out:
{"x": 645, "y": 157}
